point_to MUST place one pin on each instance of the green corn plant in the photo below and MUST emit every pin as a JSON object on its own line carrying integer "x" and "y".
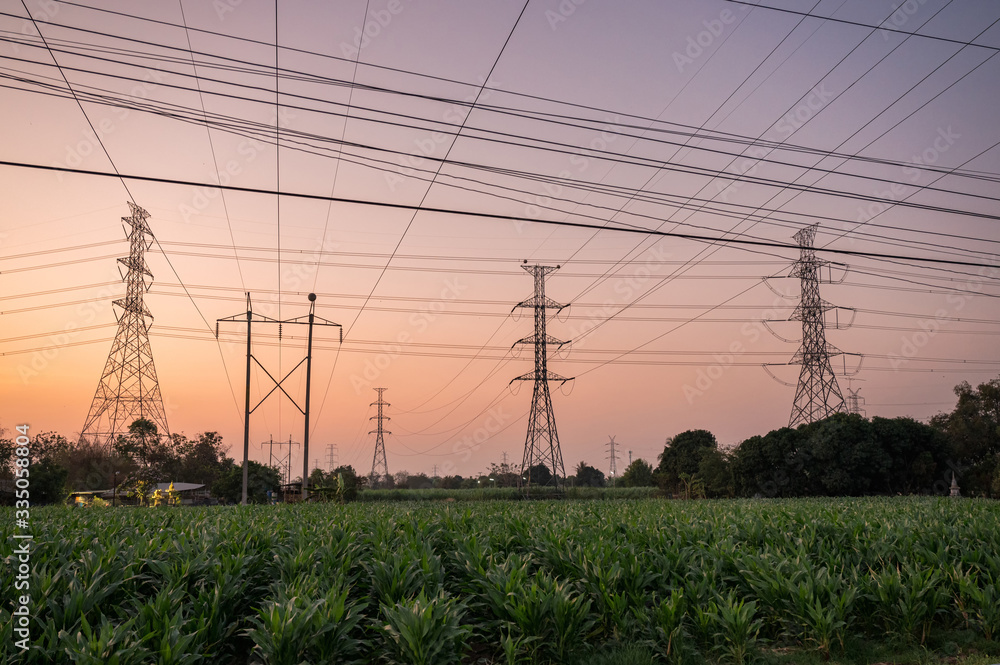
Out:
{"x": 336, "y": 638}
{"x": 394, "y": 578}
{"x": 572, "y": 622}
{"x": 105, "y": 644}
{"x": 164, "y": 629}
{"x": 737, "y": 628}
{"x": 982, "y": 605}
{"x": 670, "y": 636}
{"x": 424, "y": 631}
{"x": 281, "y": 632}
{"x": 513, "y": 648}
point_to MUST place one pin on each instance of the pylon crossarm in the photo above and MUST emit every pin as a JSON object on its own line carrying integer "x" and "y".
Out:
{"x": 278, "y": 386}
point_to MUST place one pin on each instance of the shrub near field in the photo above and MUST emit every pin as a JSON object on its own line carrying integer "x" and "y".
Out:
{"x": 532, "y": 582}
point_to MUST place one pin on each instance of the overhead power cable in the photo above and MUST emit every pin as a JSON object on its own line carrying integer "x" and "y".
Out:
{"x": 496, "y": 216}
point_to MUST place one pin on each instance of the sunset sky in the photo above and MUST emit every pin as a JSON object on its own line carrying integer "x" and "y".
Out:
{"x": 700, "y": 117}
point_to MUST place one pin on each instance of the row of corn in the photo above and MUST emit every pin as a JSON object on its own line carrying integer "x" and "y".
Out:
{"x": 501, "y": 582}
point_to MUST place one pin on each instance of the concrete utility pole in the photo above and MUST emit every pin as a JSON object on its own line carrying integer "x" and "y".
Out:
{"x": 310, "y": 320}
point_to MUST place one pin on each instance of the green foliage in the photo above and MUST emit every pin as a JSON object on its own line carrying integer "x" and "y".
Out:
{"x": 692, "y": 466}
{"x": 843, "y": 455}
{"x": 569, "y": 581}
{"x": 638, "y": 474}
{"x": 425, "y": 631}
{"x": 260, "y": 479}
{"x": 588, "y": 476}
{"x": 973, "y": 433}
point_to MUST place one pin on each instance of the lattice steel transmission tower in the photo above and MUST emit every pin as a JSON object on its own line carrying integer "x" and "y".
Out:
{"x": 613, "y": 456}
{"x": 380, "y": 469}
{"x": 855, "y": 401}
{"x": 129, "y": 389}
{"x": 541, "y": 444}
{"x": 817, "y": 395}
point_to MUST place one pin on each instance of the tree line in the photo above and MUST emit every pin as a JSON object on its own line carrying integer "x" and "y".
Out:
{"x": 844, "y": 455}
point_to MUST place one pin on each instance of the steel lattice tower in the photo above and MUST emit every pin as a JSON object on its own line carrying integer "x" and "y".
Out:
{"x": 613, "y": 456}
{"x": 817, "y": 395}
{"x": 541, "y": 444}
{"x": 380, "y": 469}
{"x": 129, "y": 389}
{"x": 854, "y": 401}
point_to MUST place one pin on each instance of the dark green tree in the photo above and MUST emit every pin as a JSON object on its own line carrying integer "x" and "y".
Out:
{"x": 539, "y": 475}
{"x": 638, "y": 474}
{"x": 260, "y": 479}
{"x": 588, "y": 476}
{"x": 846, "y": 459}
{"x": 918, "y": 455}
{"x": 771, "y": 466}
{"x": 973, "y": 433}
{"x": 681, "y": 458}
{"x": 203, "y": 460}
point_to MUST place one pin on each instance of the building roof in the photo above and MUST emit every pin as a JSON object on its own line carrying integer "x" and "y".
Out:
{"x": 179, "y": 487}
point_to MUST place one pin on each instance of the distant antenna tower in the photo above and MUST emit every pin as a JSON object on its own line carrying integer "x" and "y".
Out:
{"x": 817, "y": 395}
{"x": 541, "y": 444}
{"x": 380, "y": 469}
{"x": 129, "y": 389}
{"x": 613, "y": 456}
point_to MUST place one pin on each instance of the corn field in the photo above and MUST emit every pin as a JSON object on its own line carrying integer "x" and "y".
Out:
{"x": 501, "y": 582}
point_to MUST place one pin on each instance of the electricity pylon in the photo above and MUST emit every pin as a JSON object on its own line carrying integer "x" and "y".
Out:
{"x": 817, "y": 395}
{"x": 129, "y": 389}
{"x": 380, "y": 469}
{"x": 613, "y": 456}
{"x": 854, "y": 400}
{"x": 541, "y": 444}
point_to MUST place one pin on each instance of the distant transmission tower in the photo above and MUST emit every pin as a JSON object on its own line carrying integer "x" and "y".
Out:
{"x": 855, "y": 401}
{"x": 541, "y": 444}
{"x": 613, "y": 456}
{"x": 129, "y": 389}
{"x": 331, "y": 456}
{"x": 380, "y": 469}
{"x": 817, "y": 395}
